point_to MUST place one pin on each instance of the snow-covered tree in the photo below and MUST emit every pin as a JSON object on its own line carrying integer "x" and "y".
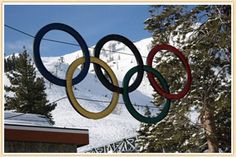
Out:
{"x": 26, "y": 93}
{"x": 203, "y": 34}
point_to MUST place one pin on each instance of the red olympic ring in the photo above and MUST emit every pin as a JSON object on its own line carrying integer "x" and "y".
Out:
{"x": 151, "y": 77}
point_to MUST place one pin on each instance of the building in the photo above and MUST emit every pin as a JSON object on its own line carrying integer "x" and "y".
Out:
{"x": 33, "y": 133}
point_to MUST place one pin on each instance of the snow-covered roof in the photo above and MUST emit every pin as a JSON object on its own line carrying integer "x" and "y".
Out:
{"x": 16, "y": 118}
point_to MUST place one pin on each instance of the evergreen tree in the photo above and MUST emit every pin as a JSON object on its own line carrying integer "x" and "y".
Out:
{"x": 10, "y": 63}
{"x": 144, "y": 132}
{"x": 26, "y": 92}
{"x": 5, "y": 65}
{"x": 203, "y": 33}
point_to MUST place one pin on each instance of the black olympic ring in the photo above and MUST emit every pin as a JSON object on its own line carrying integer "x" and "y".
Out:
{"x": 136, "y": 53}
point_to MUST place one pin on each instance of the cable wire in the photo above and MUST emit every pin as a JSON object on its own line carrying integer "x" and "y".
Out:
{"x": 197, "y": 126}
{"x": 73, "y": 44}
{"x": 62, "y": 42}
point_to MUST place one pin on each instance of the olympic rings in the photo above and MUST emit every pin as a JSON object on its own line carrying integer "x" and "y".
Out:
{"x": 71, "y": 95}
{"x": 136, "y": 53}
{"x": 154, "y": 84}
{"x": 37, "y": 59}
{"x": 131, "y": 108}
{"x": 113, "y": 85}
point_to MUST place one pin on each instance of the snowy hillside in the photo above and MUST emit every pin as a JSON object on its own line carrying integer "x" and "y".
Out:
{"x": 119, "y": 124}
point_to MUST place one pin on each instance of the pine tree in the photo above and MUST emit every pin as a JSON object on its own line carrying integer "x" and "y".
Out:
{"x": 144, "y": 133}
{"x": 9, "y": 63}
{"x": 5, "y": 65}
{"x": 203, "y": 34}
{"x": 26, "y": 92}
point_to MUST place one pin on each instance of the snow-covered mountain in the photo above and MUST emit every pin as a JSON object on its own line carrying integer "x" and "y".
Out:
{"x": 119, "y": 124}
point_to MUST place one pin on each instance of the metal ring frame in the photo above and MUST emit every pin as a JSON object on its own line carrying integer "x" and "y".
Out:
{"x": 152, "y": 73}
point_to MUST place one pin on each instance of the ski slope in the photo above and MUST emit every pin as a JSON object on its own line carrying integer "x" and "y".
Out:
{"x": 117, "y": 125}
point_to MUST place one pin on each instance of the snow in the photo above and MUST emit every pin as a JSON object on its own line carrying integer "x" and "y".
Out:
{"x": 11, "y": 117}
{"x": 193, "y": 115}
{"x": 117, "y": 125}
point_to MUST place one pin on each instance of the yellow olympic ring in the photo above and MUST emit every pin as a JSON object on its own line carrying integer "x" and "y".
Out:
{"x": 71, "y": 96}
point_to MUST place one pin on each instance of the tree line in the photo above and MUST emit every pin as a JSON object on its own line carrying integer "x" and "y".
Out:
{"x": 203, "y": 34}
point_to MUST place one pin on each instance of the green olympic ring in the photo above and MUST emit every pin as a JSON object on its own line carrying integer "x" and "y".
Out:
{"x": 130, "y": 107}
